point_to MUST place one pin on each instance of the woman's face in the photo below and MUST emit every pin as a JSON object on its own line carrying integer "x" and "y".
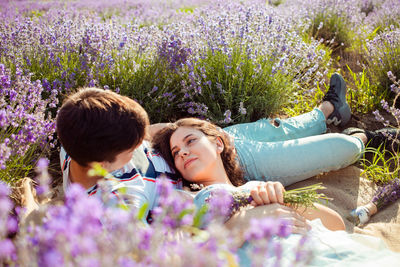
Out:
{"x": 195, "y": 155}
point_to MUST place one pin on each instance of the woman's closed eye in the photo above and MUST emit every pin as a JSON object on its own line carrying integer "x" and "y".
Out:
{"x": 175, "y": 153}
{"x": 190, "y": 141}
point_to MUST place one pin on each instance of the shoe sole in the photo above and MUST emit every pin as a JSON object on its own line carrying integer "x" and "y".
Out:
{"x": 345, "y": 112}
{"x": 353, "y": 130}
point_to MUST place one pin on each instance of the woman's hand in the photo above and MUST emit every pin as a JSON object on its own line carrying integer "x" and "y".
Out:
{"x": 267, "y": 193}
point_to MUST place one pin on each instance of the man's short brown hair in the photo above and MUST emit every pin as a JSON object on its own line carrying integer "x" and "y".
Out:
{"x": 96, "y": 125}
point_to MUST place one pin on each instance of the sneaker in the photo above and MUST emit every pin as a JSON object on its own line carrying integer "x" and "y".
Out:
{"x": 360, "y": 216}
{"x": 386, "y": 137}
{"x": 337, "y": 96}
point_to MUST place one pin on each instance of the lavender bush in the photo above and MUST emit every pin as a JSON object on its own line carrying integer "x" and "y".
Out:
{"x": 252, "y": 51}
{"x": 365, "y": 30}
{"x": 382, "y": 14}
{"x": 26, "y": 126}
{"x": 335, "y": 22}
{"x": 383, "y": 52}
{"x": 239, "y": 55}
{"x": 391, "y": 109}
{"x": 145, "y": 12}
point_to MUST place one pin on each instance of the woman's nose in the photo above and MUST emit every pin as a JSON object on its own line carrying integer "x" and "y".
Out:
{"x": 183, "y": 152}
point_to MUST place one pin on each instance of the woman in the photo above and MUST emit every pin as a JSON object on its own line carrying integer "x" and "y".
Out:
{"x": 203, "y": 154}
{"x": 273, "y": 149}
{"x": 293, "y": 149}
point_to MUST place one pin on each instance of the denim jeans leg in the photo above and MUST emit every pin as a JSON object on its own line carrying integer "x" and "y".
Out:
{"x": 269, "y": 130}
{"x": 298, "y": 159}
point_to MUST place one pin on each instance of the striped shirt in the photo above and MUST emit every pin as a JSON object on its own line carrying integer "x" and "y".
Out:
{"x": 132, "y": 185}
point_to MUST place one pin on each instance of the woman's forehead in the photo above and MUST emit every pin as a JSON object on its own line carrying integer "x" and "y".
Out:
{"x": 183, "y": 132}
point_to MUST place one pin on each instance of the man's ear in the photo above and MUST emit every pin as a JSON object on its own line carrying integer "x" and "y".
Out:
{"x": 220, "y": 145}
{"x": 104, "y": 164}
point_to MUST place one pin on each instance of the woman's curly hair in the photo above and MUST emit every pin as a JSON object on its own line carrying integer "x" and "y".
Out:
{"x": 161, "y": 142}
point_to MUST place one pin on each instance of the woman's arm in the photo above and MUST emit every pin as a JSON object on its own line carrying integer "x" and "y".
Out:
{"x": 154, "y": 128}
{"x": 329, "y": 218}
{"x": 240, "y": 222}
{"x": 264, "y": 193}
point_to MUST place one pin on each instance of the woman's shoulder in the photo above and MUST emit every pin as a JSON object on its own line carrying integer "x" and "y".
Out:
{"x": 202, "y": 196}
{"x": 216, "y": 187}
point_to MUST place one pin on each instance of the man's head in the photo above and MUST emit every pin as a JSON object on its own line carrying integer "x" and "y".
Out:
{"x": 95, "y": 125}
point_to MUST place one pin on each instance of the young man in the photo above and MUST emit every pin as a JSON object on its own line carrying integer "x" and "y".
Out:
{"x": 99, "y": 126}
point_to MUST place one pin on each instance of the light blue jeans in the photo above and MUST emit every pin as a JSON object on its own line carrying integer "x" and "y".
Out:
{"x": 293, "y": 149}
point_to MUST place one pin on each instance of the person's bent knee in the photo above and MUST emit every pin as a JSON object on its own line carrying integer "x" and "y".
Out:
{"x": 349, "y": 147}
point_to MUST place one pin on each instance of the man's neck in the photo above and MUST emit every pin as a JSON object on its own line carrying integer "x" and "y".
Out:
{"x": 79, "y": 174}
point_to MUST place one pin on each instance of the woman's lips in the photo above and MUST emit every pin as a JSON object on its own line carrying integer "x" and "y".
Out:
{"x": 188, "y": 162}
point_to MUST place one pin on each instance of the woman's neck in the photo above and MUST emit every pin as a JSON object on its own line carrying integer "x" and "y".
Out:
{"x": 218, "y": 176}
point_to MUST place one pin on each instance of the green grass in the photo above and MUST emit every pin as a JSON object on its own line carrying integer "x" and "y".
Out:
{"x": 330, "y": 26}
{"x": 301, "y": 103}
{"x": 19, "y": 167}
{"x": 362, "y": 95}
{"x": 186, "y": 9}
{"x": 380, "y": 165}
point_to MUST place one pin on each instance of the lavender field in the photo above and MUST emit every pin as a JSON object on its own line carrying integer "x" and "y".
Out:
{"x": 227, "y": 61}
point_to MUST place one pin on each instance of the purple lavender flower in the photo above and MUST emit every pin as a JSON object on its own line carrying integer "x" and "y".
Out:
{"x": 173, "y": 53}
{"x": 220, "y": 205}
{"x": 387, "y": 194}
{"x": 42, "y": 164}
{"x": 7, "y": 250}
{"x": 242, "y": 109}
{"x": 265, "y": 235}
{"x": 384, "y": 196}
{"x": 378, "y": 116}
{"x": 172, "y": 209}
{"x": 227, "y": 115}
{"x": 43, "y": 188}
{"x": 51, "y": 258}
{"x": 8, "y": 225}
{"x": 302, "y": 254}
{"x": 24, "y": 114}
{"x": 262, "y": 229}
{"x": 390, "y": 75}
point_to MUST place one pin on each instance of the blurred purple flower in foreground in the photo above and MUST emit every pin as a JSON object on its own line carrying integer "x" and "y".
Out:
{"x": 8, "y": 225}
{"x": 82, "y": 231}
